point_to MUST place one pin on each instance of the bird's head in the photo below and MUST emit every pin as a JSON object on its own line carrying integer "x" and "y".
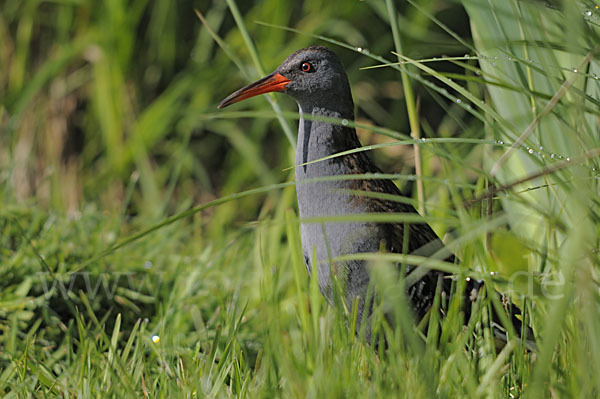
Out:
{"x": 313, "y": 76}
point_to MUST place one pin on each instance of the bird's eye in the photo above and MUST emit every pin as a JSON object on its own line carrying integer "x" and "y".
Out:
{"x": 307, "y": 67}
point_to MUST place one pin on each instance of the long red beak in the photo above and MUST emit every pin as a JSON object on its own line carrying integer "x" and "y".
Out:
{"x": 268, "y": 84}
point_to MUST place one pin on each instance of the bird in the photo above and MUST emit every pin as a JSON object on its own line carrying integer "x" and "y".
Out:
{"x": 316, "y": 79}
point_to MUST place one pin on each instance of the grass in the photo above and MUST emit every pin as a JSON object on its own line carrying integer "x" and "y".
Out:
{"x": 149, "y": 245}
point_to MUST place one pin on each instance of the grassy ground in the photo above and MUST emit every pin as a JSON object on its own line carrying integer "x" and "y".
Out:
{"x": 134, "y": 262}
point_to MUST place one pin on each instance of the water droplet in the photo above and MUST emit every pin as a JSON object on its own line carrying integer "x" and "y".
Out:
{"x": 552, "y": 156}
{"x": 468, "y": 279}
{"x": 529, "y": 150}
{"x": 530, "y": 61}
{"x": 458, "y": 101}
{"x": 345, "y": 122}
{"x": 541, "y": 148}
{"x": 469, "y": 107}
{"x": 509, "y": 58}
{"x": 500, "y": 142}
{"x": 493, "y": 273}
{"x": 467, "y": 56}
{"x": 495, "y": 57}
{"x": 423, "y": 139}
{"x": 155, "y": 339}
{"x": 147, "y": 264}
{"x": 568, "y": 159}
{"x": 478, "y": 72}
{"x": 588, "y": 13}
{"x": 574, "y": 70}
{"x": 359, "y": 49}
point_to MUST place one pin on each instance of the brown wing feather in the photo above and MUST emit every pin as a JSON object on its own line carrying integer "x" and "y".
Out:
{"x": 422, "y": 293}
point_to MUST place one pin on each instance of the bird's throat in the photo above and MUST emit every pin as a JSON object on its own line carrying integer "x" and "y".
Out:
{"x": 318, "y": 139}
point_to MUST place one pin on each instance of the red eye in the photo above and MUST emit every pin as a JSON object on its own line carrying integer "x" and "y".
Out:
{"x": 306, "y": 67}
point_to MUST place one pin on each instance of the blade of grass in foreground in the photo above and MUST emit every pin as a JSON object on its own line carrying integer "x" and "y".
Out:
{"x": 256, "y": 59}
{"x": 178, "y": 217}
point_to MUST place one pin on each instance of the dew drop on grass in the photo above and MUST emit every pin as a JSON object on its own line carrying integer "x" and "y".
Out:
{"x": 530, "y": 150}
{"x": 568, "y": 159}
{"x": 458, "y": 101}
{"x": 359, "y": 49}
{"x": 588, "y": 13}
{"x": 155, "y": 339}
{"x": 345, "y": 122}
{"x": 552, "y": 156}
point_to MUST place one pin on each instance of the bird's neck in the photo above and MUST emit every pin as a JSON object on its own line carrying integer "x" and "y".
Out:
{"x": 318, "y": 139}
